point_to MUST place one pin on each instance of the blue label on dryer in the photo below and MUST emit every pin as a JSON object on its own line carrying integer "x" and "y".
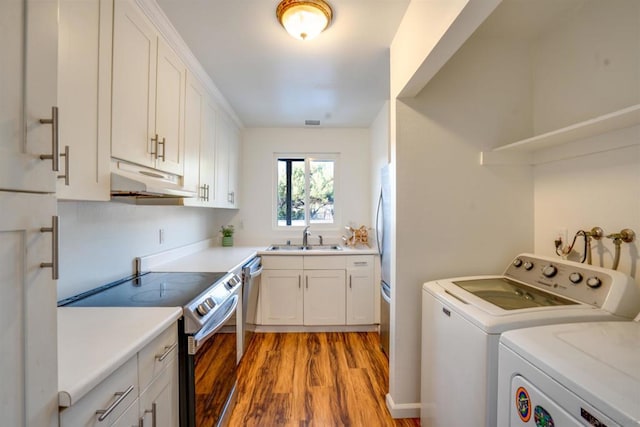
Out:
{"x": 542, "y": 417}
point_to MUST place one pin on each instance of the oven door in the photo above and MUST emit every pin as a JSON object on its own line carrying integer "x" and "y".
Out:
{"x": 210, "y": 370}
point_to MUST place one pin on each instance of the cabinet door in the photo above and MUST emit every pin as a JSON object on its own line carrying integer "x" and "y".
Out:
{"x": 129, "y": 418}
{"x": 29, "y": 386}
{"x": 193, "y": 139}
{"x": 170, "y": 88}
{"x": 159, "y": 402}
{"x": 84, "y": 87}
{"x": 281, "y": 297}
{"x": 324, "y": 297}
{"x": 227, "y": 153}
{"x": 27, "y": 93}
{"x": 135, "y": 45}
{"x": 234, "y": 158}
{"x": 361, "y": 292}
{"x": 208, "y": 154}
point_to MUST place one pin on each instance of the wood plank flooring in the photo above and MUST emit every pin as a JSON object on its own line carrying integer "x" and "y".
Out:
{"x": 314, "y": 379}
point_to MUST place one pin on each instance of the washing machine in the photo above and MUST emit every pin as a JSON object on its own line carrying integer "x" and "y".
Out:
{"x": 582, "y": 374}
{"x": 463, "y": 319}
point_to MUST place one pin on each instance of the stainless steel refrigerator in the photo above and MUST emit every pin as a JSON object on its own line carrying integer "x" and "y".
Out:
{"x": 383, "y": 237}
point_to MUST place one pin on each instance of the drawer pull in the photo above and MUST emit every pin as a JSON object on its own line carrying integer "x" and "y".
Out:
{"x": 104, "y": 413}
{"x": 361, "y": 263}
{"x": 167, "y": 350}
{"x": 153, "y": 411}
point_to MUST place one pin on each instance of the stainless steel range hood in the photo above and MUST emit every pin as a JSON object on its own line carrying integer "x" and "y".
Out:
{"x": 130, "y": 181}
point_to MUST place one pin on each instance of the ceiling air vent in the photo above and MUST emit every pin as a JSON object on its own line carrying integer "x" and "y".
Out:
{"x": 312, "y": 122}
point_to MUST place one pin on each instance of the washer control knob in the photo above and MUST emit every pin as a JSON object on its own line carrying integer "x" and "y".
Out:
{"x": 209, "y": 302}
{"x": 594, "y": 282}
{"x": 517, "y": 262}
{"x": 549, "y": 270}
{"x": 202, "y": 309}
{"x": 575, "y": 278}
{"x": 528, "y": 265}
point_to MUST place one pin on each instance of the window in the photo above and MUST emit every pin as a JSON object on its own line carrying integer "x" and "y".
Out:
{"x": 305, "y": 190}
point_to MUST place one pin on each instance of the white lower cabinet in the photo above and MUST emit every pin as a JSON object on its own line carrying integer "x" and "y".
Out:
{"x": 143, "y": 389}
{"x": 317, "y": 290}
{"x": 324, "y": 297}
{"x": 158, "y": 406}
{"x": 281, "y": 297}
{"x": 361, "y": 290}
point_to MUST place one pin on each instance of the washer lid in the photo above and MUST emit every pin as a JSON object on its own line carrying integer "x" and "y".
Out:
{"x": 510, "y": 295}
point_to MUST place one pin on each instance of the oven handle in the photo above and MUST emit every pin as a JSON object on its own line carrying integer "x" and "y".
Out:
{"x": 214, "y": 326}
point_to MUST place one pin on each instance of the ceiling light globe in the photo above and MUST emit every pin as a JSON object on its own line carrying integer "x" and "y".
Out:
{"x": 304, "y": 19}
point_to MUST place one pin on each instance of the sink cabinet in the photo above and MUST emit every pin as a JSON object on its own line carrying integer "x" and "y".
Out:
{"x": 321, "y": 290}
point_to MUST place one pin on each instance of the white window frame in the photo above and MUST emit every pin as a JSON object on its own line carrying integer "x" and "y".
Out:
{"x": 337, "y": 205}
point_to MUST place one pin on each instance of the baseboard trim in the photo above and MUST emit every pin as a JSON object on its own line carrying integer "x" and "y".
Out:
{"x": 402, "y": 410}
{"x": 311, "y": 329}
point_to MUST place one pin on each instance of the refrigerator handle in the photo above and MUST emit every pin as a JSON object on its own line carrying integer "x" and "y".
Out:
{"x": 379, "y": 229}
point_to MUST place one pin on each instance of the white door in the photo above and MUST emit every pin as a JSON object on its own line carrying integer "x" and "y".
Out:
{"x": 324, "y": 297}
{"x": 135, "y": 44}
{"x": 159, "y": 402}
{"x": 28, "y": 94}
{"x": 281, "y": 297}
{"x": 28, "y": 361}
{"x": 170, "y": 88}
{"x": 360, "y": 296}
{"x": 193, "y": 124}
{"x": 208, "y": 154}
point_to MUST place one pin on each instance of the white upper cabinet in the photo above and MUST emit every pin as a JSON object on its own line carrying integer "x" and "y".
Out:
{"x": 84, "y": 87}
{"x": 148, "y": 94}
{"x": 227, "y": 153}
{"x": 200, "y": 144}
{"x": 27, "y": 95}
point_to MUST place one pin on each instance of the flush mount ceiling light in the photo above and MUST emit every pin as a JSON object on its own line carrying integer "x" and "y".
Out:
{"x": 304, "y": 19}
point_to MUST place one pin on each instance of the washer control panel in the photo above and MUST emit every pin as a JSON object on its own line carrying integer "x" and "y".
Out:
{"x": 580, "y": 282}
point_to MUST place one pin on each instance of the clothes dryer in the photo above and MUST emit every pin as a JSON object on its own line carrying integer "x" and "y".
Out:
{"x": 570, "y": 375}
{"x": 463, "y": 318}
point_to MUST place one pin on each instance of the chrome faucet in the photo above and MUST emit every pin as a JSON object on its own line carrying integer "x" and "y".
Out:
{"x": 305, "y": 235}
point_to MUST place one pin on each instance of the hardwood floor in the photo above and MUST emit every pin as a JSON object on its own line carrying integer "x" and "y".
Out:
{"x": 315, "y": 379}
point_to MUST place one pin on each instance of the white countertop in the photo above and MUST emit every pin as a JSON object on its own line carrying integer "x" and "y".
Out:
{"x": 211, "y": 259}
{"x": 94, "y": 341}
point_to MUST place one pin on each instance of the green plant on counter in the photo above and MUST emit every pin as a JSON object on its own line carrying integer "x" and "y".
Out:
{"x": 227, "y": 231}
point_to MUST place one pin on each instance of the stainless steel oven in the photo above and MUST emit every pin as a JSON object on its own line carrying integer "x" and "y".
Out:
{"x": 208, "y": 341}
{"x": 210, "y": 367}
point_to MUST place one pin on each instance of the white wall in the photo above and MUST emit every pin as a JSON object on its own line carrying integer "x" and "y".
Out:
{"x": 254, "y": 221}
{"x": 601, "y": 75}
{"x": 379, "y": 153}
{"x": 99, "y": 240}
{"x": 449, "y": 208}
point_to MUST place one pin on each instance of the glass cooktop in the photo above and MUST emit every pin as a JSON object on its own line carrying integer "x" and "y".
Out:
{"x": 147, "y": 290}
{"x": 510, "y": 295}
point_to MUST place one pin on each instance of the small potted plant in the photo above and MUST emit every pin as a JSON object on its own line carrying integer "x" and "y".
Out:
{"x": 227, "y": 235}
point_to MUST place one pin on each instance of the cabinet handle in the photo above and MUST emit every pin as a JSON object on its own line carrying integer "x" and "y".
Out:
{"x": 299, "y": 281}
{"x": 66, "y": 166}
{"x": 167, "y": 350}
{"x": 54, "y": 264}
{"x": 153, "y": 413}
{"x": 104, "y": 413}
{"x": 207, "y": 192}
{"x": 361, "y": 263}
{"x": 53, "y": 121}
{"x": 231, "y": 197}
{"x": 349, "y": 281}
{"x": 154, "y": 146}
{"x": 164, "y": 149}
{"x": 306, "y": 280}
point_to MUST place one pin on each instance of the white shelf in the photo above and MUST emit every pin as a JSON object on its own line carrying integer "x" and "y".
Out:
{"x": 522, "y": 152}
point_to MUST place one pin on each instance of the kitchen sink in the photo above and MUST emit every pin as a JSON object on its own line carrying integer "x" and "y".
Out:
{"x": 305, "y": 248}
